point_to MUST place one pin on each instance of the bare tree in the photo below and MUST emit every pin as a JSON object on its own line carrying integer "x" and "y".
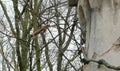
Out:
{"x": 40, "y": 35}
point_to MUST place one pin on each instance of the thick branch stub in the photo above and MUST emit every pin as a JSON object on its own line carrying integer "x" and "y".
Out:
{"x": 72, "y": 3}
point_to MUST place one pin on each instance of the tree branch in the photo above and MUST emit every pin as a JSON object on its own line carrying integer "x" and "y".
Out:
{"x": 102, "y": 62}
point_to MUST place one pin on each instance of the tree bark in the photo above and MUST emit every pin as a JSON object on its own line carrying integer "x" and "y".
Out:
{"x": 102, "y": 33}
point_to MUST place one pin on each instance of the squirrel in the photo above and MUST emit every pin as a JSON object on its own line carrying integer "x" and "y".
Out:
{"x": 40, "y": 30}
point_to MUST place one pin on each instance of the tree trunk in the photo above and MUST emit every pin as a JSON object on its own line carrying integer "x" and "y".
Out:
{"x": 102, "y": 32}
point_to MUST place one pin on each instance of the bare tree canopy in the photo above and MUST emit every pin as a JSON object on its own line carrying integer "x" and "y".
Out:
{"x": 39, "y": 35}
